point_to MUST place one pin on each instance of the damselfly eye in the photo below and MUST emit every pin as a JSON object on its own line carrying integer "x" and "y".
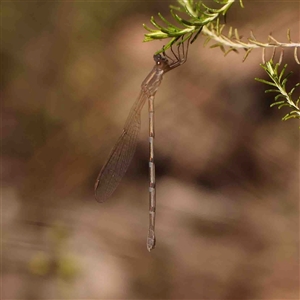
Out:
{"x": 157, "y": 58}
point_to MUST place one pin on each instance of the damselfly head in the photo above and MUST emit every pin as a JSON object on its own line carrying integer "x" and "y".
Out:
{"x": 159, "y": 59}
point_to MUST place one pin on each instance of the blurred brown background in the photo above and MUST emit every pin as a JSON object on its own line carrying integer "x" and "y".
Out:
{"x": 227, "y": 167}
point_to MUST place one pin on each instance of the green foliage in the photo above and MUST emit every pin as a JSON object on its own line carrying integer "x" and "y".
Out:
{"x": 278, "y": 81}
{"x": 232, "y": 41}
{"x": 199, "y": 15}
{"x": 201, "y": 18}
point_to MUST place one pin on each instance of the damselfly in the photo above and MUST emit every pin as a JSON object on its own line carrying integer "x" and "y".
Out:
{"x": 122, "y": 153}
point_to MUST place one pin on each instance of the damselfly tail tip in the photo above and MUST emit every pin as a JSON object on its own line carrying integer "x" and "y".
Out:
{"x": 151, "y": 241}
{"x": 150, "y": 248}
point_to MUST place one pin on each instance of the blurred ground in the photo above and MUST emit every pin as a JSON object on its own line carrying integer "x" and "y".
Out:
{"x": 227, "y": 167}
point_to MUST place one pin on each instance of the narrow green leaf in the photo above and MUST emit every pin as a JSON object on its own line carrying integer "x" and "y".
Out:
{"x": 247, "y": 54}
{"x": 272, "y": 91}
{"x": 236, "y": 34}
{"x": 282, "y": 72}
{"x": 230, "y": 32}
{"x": 292, "y": 90}
{"x": 296, "y": 112}
{"x": 265, "y": 81}
{"x": 282, "y": 105}
{"x": 280, "y": 96}
{"x": 231, "y": 50}
{"x": 177, "y": 8}
{"x": 276, "y": 103}
{"x": 207, "y": 40}
{"x": 275, "y": 68}
{"x": 257, "y": 43}
{"x": 148, "y": 28}
{"x": 286, "y": 117}
{"x": 288, "y": 75}
{"x": 176, "y": 17}
{"x": 215, "y": 46}
{"x": 283, "y": 83}
{"x": 152, "y": 20}
{"x": 170, "y": 25}
{"x": 156, "y": 35}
